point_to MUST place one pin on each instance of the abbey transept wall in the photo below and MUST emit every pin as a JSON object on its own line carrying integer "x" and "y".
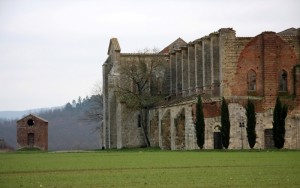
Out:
{"x": 218, "y": 65}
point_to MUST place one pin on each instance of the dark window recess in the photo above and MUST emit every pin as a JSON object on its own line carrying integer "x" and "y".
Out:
{"x": 218, "y": 140}
{"x": 283, "y": 81}
{"x": 251, "y": 80}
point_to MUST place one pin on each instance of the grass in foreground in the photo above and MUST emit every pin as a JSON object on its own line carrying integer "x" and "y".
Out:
{"x": 143, "y": 168}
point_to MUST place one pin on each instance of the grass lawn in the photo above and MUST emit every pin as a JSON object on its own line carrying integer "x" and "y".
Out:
{"x": 151, "y": 168}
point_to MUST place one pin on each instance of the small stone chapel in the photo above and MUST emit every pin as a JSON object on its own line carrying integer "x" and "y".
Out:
{"x": 32, "y": 132}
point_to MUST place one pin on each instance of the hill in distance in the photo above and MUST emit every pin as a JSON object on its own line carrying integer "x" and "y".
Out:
{"x": 71, "y": 127}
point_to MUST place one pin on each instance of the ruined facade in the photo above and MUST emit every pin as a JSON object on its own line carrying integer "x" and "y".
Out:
{"x": 32, "y": 132}
{"x": 219, "y": 65}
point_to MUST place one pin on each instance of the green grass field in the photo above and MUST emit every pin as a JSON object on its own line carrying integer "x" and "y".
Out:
{"x": 151, "y": 168}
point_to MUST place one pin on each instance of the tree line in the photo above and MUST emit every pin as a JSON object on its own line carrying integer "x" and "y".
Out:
{"x": 74, "y": 126}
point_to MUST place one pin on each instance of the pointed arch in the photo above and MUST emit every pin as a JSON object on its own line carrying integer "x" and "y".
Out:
{"x": 283, "y": 75}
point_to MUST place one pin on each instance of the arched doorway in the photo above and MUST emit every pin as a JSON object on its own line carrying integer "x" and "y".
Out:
{"x": 269, "y": 142}
{"x": 217, "y": 137}
{"x": 30, "y": 139}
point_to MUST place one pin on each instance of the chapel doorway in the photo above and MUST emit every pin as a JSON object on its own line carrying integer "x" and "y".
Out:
{"x": 30, "y": 140}
{"x": 218, "y": 140}
{"x": 269, "y": 142}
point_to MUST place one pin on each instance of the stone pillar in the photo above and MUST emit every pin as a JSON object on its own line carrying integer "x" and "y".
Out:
{"x": 184, "y": 64}
{"x": 215, "y": 64}
{"x": 206, "y": 51}
{"x": 160, "y": 117}
{"x": 191, "y": 69}
{"x": 199, "y": 67}
{"x": 172, "y": 131}
{"x": 105, "y": 107}
{"x": 111, "y": 122}
{"x": 165, "y": 129}
{"x": 119, "y": 122}
{"x": 189, "y": 128}
{"x": 298, "y": 35}
{"x": 297, "y": 85}
{"x": 165, "y": 81}
{"x": 173, "y": 73}
{"x": 270, "y": 72}
{"x": 178, "y": 73}
{"x": 226, "y": 45}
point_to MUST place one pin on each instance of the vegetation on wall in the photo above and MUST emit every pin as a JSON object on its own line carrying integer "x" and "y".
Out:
{"x": 200, "y": 124}
{"x": 225, "y": 122}
{"x": 279, "y": 115}
{"x": 140, "y": 84}
{"x": 251, "y": 123}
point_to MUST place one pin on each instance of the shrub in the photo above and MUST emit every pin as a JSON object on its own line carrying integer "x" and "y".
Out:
{"x": 279, "y": 115}
{"x": 225, "y": 122}
{"x": 251, "y": 123}
{"x": 200, "y": 124}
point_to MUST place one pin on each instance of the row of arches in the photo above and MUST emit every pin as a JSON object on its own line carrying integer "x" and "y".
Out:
{"x": 174, "y": 129}
{"x": 166, "y": 132}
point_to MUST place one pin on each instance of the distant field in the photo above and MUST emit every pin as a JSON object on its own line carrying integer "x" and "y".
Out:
{"x": 151, "y": 168}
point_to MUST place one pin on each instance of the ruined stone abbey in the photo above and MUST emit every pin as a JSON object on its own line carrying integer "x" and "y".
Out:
{"x": 258, "y": 68}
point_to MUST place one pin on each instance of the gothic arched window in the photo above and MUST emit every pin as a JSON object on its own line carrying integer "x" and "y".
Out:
{"x": 251, "y": 80}
{"x": 283, "y": 80}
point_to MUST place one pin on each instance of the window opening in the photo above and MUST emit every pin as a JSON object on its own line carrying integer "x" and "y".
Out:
{"x": 283, "y": 81}
{"x": 251, "y": 80}
{"x": 30, "y": 122}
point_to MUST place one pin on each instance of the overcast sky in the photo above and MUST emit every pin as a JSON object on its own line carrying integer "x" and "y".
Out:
{"x": 51, "y": 51}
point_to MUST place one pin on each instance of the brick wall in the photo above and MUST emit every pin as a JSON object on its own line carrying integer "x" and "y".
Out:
{"x": 267, "y": 54}
{"x": 297, "y": 86}
{"x": 35, "y": 126}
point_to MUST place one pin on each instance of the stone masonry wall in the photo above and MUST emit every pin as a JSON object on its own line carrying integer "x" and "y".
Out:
{"x": 215, "y": 66}
{"x": 132, "y": 132}
{"x": 180, "y": 131}
{"x": 166, "y": 131}
{"x": 173, "y": 73}
{"x": 191, "y": 69}
{"x": 178, "y": 72}
{"x": 199, "y": 66}
{"x": 185, "y": 73}
{"x": 154, "y": 128}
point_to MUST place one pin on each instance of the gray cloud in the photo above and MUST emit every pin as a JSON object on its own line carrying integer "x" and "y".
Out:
{"x": 52, "y": 51}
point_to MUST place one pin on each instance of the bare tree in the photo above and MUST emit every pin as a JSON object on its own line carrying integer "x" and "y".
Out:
{"x": 140, "y": 85}
{"x": 94, "y": 111}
